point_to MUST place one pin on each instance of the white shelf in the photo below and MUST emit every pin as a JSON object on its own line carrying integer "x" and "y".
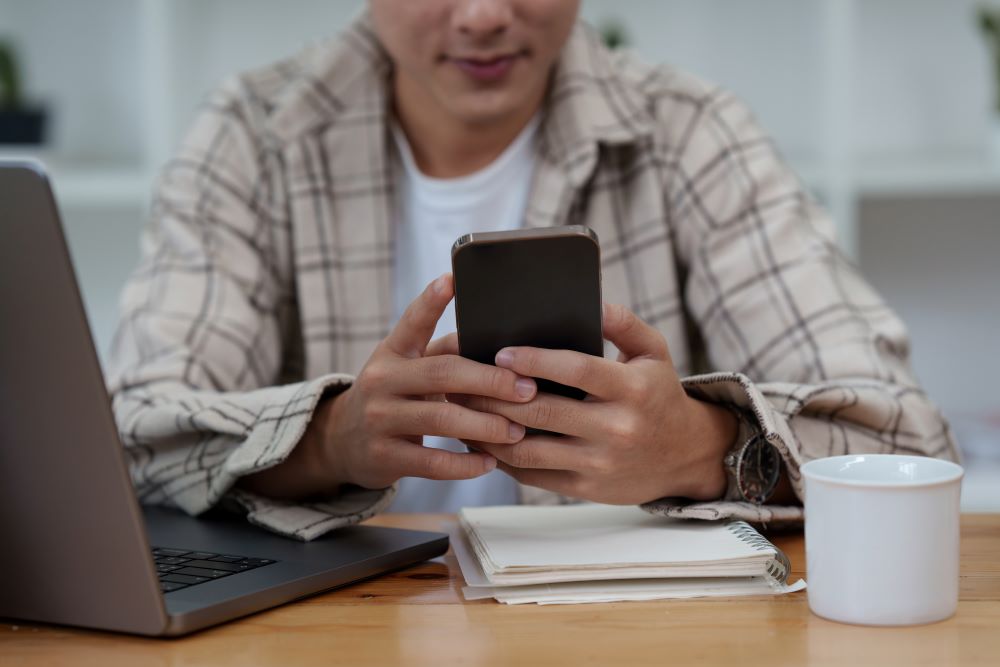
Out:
{"x": 928, "y": 174}
{"x": 936, "y": 174}
{"x": 91, "y": 184}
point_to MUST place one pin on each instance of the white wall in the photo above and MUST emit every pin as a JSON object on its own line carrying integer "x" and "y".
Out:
{"x": 926, "y": 80}
{"x": 222, "y": 37}
{"x": 937, "y": 261}
{"x": 923, "y": 82}
{"x": 922, "y": 85}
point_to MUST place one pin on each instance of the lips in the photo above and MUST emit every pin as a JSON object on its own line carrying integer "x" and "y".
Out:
{"x": 486, "y": 70}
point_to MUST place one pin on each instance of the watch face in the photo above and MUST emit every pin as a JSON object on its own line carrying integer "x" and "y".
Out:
{"x": 758, "y": 470}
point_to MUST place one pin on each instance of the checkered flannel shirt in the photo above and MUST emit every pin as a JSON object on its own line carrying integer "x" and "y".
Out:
{"x": 266, "y": 275}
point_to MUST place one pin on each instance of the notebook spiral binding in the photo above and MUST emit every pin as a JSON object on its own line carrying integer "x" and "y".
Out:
{"x": 780, "y": 566}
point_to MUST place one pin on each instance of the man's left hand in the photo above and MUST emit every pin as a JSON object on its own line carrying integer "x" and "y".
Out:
{"x": 636, "y": 437}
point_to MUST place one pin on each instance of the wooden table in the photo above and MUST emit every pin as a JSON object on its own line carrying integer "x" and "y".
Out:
{"x": 418, "y": 617}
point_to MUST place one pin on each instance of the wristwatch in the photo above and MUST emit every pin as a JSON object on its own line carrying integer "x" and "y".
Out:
{"x": 753, "y": 465}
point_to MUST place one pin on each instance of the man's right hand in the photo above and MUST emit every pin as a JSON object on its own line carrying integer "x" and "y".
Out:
{"x": 371, "y": 434}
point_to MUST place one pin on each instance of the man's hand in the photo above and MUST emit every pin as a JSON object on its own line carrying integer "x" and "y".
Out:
{"x": 371, "y": 433}
{"x": 637, "y": 436}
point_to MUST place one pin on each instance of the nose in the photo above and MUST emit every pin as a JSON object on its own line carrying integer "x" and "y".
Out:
{"x": 482, "y": 18}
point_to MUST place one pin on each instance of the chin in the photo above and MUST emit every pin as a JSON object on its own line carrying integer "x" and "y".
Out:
{"x": 485, "y": 107}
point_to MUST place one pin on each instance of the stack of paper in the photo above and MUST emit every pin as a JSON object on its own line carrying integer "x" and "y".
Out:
{"x": 603, "y": 553}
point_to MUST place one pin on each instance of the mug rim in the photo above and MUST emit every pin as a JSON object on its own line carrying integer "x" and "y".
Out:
{"x": 952, "y": 472}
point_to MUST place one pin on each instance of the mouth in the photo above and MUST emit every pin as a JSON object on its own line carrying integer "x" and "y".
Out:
{"x": 486, "y": 69}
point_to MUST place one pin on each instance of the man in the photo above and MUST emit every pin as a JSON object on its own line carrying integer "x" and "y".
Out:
{"x": 276, "y": 351}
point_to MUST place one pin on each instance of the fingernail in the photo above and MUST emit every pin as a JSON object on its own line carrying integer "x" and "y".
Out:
{"x": 505, "y": 358}
{"x": 491, "y": 463}
{"x": 515, "y": 431}
{"x": 438, "y": 285}
{"x": 524, "y": 387}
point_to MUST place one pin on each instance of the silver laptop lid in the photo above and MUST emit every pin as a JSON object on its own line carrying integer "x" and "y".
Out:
{"x": 74, "y": 550}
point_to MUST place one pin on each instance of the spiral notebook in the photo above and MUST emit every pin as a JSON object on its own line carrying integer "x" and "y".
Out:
{"x": 602, "y": 553}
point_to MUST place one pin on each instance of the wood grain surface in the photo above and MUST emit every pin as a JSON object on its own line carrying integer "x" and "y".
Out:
{"x": 418, "y": 617}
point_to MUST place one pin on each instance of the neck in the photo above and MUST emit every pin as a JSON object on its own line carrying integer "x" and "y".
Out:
{"x": 447, "y": 147}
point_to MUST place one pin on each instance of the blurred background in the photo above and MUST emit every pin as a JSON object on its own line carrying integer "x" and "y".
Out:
{"x": 888, "y": 109}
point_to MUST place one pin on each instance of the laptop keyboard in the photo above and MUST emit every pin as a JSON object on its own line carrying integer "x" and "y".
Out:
{"x": 180, "y": 568}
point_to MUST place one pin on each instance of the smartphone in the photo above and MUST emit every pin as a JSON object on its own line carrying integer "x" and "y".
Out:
{"x": 529, "y": 287}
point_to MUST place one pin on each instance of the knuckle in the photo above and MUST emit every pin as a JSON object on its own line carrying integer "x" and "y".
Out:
{"x": 626, "y": 318}
{"x": 496, "y": 429}
{"x": 541, "y": 413}
{"x": 439, "y": 418}
{"x": 436, "y": 466}
{"x": 442, "y": 369}
{"x": 579, "y": 371}
{"x": 625, "y": 430}
{"x": 426, "y": 419}
{"x": 602, "y": 463}
{"x": 372, "y": 377}
{"x": 636, "y": 386}
{"x": 379, "y": 451}
{"x": 523, "y": 457}
{"x": 372, "y": 414}
{"x": 528, "y": 361}
{"x": 499, "y": 382}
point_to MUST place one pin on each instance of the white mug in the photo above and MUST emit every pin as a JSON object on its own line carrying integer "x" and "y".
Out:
{"x": 882, "y": 538}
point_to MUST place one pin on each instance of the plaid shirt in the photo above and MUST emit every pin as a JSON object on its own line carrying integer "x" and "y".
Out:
{"x": 266, "y": 276}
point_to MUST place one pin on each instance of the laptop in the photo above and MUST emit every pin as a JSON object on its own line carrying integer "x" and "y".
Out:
{"x": 77, "y": 547}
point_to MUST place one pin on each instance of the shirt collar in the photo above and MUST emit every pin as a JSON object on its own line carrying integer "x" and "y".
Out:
{"x": 590, "y": 102}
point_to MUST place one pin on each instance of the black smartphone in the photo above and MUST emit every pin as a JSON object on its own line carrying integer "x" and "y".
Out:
{"x": 529, "y": 287}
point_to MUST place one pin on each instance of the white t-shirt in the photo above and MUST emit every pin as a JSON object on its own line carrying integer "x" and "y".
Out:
{"x": 433, "y": 213}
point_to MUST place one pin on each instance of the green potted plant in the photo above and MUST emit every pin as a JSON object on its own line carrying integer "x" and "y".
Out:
{"x": 613, "y": 33}
{"x": 19, "y": 123}
{"x": 989, "y": 24}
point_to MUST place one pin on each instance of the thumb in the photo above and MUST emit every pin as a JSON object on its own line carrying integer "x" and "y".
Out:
{"x": 632, "y": 336}
{"x": 414, "y": 330}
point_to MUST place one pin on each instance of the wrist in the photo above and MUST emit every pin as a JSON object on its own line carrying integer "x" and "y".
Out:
{"x": 310, "y": 468}
{"x": 319, "y": 441}
{"x": 711, "y": 434}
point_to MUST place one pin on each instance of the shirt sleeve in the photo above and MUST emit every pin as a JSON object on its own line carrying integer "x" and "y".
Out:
{"x": 803, "y": 344}
{"x": 206, "y": 336}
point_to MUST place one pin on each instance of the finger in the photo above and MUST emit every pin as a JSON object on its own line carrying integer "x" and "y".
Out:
{"x": 632, "y": 336}
{"x": 450, "y": 374}
{"x": 540, "y": 452}
{"x": 444, "y": 345}
{"x": 450, "y": 421}
{"x": 411, "y": 334}
{"x": 409, "y": 460}
{"x": 563, "y": 482}
{"x": 547, "y": 412}
{"x": 595, "y": 375}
